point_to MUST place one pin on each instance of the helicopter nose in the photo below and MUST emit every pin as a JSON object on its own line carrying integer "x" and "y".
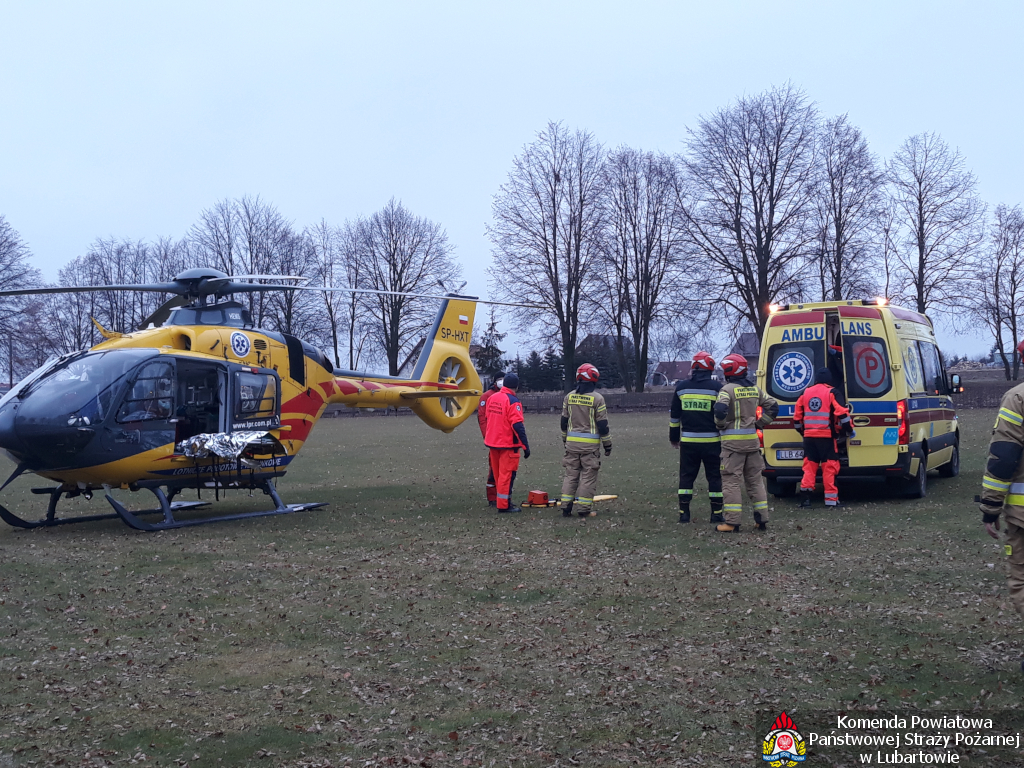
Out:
{"x": 9, "y": 440}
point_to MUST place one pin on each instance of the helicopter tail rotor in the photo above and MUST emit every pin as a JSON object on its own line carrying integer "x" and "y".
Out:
{"x": 445, "y": 359}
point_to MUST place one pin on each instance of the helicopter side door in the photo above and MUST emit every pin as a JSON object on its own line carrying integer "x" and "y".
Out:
{"x": 255, "y": 398}
{"x": 144, "y": 418}
{"x": 201, "y": 398}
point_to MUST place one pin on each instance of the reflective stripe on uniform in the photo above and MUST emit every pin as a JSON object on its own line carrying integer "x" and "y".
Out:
{"x": 739, "y": 434}
{"x": 1010, "y": 416}
{"x": 567, "y": 497}
{"x": 583, "y": 501}
{"x": 699, "y": 437}
{"x": 583, "y": 437}
{"x": 716, "y": 494}
{"x": 995, "y": 485}
{"x": 1016, "y": 496}
{"x": 732, "y": 508}
{"x": 503, "y": 496}
{"x": 686, "y": 491}
{"x": 674, "y": 423}
{"x": 760, "y": 505}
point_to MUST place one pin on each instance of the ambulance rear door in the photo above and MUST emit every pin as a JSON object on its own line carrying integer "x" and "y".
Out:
{"x": 796, "y": 349}
{"x": 870, "y": 390}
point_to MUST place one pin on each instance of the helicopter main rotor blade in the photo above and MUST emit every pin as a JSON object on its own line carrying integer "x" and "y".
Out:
{"x": 222, "y": 285}
{"x": 153, "y": 288}
{"x": 329, "y": 289}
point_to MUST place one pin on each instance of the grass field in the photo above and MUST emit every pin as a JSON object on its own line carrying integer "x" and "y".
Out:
{"x": 407, "y": 623}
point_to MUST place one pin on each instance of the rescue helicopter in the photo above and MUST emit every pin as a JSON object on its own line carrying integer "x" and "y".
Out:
{"x": 198, "y": 398}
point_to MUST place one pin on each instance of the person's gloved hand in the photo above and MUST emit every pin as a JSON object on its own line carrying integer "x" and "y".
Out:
{"x": 526, "y": 453}
{"x": 675, "y": 444}
{"x": 607, "y": 450}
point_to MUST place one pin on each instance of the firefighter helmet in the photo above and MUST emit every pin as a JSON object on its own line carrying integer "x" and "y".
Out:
{"x": 703, "y": 361}
{"x": 587, "y": 372}
{"x": 734, "y": 366}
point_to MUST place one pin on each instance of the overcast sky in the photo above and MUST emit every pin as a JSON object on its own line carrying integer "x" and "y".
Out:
{"x": 127, "y": 119}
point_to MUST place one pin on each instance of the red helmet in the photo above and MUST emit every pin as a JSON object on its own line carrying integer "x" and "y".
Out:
{"x": 1020, "y": 348}
{"x": 587, "y": 372}
{"x": 734, "y": 366}
{"x": 703, "y": 361}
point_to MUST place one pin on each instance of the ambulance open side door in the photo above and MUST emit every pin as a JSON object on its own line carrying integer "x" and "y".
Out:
{"x": 869, "y": 387}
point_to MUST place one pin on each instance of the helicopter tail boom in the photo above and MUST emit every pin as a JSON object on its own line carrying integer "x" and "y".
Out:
{"x": 444, "y": 385}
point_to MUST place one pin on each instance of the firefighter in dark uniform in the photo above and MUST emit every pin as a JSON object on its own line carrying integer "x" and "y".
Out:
{"x": 691, "y": 429}
{"x": 1002, "y": 487}
{"x": 585, "y": 431}
{"x": 736, "y": 416}
{"x": 506, "y": 434}
{"x": 481, "y": 417}
{"x": 820, "y": 418}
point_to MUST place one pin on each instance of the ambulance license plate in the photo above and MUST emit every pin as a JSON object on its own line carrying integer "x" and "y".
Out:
{"x": 789, "y": 455}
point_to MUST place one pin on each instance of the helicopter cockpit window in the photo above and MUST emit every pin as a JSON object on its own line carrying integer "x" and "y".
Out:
{"x": 257, "y": 396}
{"x": 80, "y": 391}
{"x": 151, "y": 395}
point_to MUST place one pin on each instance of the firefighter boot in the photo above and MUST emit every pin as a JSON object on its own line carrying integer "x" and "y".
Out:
{"x": 805, "y": 498}
{"x": 716, "y": 511}
{"x": 684, "y": 513}
{"x": 726, "y": 528}
{"x": 761, "y": 524}
{"x": 567, "y": 509}
{"x": 511, "y": 509}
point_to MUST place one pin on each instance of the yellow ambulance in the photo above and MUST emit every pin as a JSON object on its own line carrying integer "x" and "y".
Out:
{"x": 885, "y": 361}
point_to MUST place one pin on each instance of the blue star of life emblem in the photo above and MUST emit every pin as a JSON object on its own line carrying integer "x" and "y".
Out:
{"x": 792, "y": 372}
{"x": 240, "y": 344}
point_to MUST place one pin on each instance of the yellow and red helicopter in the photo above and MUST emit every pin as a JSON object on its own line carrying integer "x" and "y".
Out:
{"x": 201, "y": 399}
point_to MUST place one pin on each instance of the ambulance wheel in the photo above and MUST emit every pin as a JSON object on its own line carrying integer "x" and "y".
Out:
{"x": 780, "y": 489}
{"x": 952, "y": 467}
{"x": 917, "y": 487}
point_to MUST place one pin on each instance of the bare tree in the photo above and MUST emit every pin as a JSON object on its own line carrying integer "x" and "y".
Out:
{"x": 327, "y": 264}
{"x": 15, "y": 272}
{"x": 67, "y": 317}
{"x": 120, "y": 262}
{"x": 999, "y": 286}
{"x": 295, "y": 312}
{"x": 644, "y": 247}
{"x": 546, "y": 231}
{"x": 750, "y": 169}
{"x": 848, "y": 211}
{"x": 263, "y": 237}
{"x": 213, "y": 239}
{"x": 355, "y": 304}
{"x": 940, "y": 220}
{"x": 400, "y": 252}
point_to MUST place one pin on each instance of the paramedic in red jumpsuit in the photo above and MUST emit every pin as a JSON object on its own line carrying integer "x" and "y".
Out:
{"x": 505, "y": 435}
{"x": 820, "y": 418}
{"x": 481, "y": 417}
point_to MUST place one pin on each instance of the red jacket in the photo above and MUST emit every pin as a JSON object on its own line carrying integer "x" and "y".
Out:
{"x": 481, "y": 411}
{"x": 502, "y": 411}
{"x": 816, "y": 409}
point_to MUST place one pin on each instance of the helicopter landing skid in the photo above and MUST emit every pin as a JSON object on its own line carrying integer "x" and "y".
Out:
{"x": 51, "y": 518}
{"x": 168, "y": 509}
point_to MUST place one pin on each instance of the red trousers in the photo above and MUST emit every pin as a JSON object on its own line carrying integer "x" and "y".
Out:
{"x": 492, "y": 491}
{"x": 821, "y": 451}
{"x": 504, "y": 463}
